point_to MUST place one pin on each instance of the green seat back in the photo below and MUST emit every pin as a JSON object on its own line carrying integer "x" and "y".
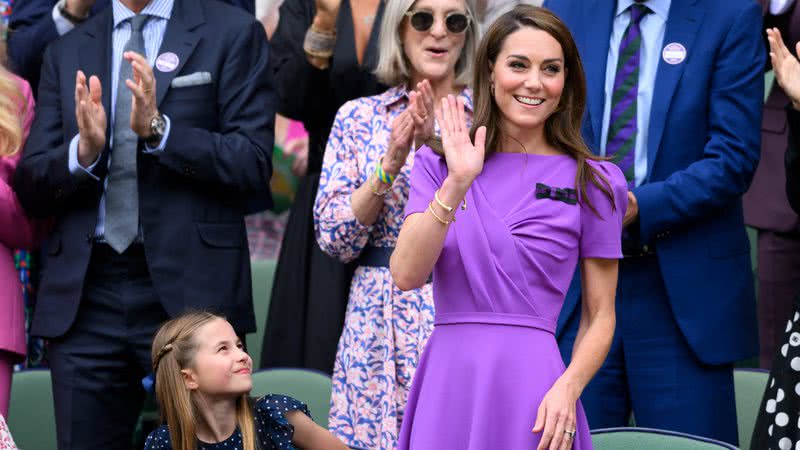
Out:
{"x": 31, "y": 414}
{"x": 310, "y": 387}
{"x": 749, "y": 385}
{"x": 263, "y": 272}
{"x": 650, "y": 439}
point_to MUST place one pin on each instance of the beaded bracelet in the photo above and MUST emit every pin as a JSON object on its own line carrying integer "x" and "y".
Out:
{"x": 319, "y": 43}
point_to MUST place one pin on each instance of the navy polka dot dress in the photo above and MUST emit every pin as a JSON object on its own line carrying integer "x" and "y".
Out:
{"x": 272, "y": 429}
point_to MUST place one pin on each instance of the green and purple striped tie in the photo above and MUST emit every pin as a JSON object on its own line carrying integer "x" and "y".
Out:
{"x": 621, "y": 141}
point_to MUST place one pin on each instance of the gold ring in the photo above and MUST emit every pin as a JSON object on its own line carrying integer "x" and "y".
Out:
{"x": 570, "y": 433}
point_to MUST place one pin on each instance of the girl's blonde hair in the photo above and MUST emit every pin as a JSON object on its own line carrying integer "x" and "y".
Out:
{"x": 174, "y": 348}
{"x": 12, "y": 107}
{"x": 393, "y": 65}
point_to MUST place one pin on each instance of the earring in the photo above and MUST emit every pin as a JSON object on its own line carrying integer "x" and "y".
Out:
{"x": 491, "y": 88}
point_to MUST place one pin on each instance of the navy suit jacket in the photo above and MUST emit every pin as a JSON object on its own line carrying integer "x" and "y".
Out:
{"x": 703, "y": 148}
{"x": 192, "y": 197}
{"x": 33, "y": 28}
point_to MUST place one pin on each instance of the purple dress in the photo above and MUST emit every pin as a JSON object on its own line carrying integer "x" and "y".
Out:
{"x": 499, "y": 285}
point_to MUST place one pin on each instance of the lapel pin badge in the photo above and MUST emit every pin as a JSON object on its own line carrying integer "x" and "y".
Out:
{"x": 167, "y": 62}
{"x": 674, "y": 53}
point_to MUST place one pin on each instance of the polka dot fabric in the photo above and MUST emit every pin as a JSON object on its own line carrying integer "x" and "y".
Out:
{"x": 778, "y": 423}
{"x": 272, "y": 429}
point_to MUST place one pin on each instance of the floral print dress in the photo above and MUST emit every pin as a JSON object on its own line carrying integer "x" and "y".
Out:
{"x": 385, "y": 329}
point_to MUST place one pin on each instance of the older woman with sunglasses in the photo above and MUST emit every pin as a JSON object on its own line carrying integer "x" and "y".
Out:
{"x": 426, "y": 51}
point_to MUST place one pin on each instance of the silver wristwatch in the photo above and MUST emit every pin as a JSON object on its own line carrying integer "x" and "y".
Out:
{"x": 158, "y": 126}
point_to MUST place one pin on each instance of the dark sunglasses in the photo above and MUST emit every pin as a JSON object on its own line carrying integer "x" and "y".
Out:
{"x": 422, "y": 21}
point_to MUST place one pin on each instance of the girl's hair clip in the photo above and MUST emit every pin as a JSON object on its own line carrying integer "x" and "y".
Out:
{"x": 149, "y": 383}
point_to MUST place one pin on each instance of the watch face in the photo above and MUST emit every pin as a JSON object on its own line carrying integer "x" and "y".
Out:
{"x": 158, "y": 125}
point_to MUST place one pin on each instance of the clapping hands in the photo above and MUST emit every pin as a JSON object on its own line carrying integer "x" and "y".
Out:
{"x": 785, "y": 65}
{"x": 421, "y": 107}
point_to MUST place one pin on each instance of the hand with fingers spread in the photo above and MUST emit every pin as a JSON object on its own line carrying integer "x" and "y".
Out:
{"x": 91, "y": 118}
{"x": 143, "y": 88}
{"x": 421, "y": 106}
{"x": 556, "y": 418}
{"x": 785, "y": 65}
{"x": 464, "y": 159}
{"x": 399, "y": 143}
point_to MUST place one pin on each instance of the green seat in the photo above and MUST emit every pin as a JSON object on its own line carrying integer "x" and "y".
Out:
{"x": 31, "y": 414}
{"x": 749, "y": 386}
{"x": 263, "y": 272}
{"x": 309, "y": 386}
{"x": 651, "y": 439}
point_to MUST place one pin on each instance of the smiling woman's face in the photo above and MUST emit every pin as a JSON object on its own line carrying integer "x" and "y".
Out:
{"x": 528, "y": 77}
{"x": 433, "y": 53}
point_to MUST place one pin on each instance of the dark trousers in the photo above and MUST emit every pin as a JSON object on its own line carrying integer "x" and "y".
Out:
{"x": 778, "y": 278}
{"x": 650, "y": 370}
{"x": 98, "y": 365}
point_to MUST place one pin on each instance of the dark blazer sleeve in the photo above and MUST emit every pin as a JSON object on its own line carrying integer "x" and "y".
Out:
{"x": 31, "y": 29}
{"x": 793, "y": 159}
{"x": 732, "y": 149}
{"x": 298, "y": 83}
{"x": 238, "y": 155}
{"x": 42, "y": 180}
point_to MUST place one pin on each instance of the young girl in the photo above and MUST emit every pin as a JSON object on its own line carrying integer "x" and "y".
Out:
{"x": 202, "y": 383}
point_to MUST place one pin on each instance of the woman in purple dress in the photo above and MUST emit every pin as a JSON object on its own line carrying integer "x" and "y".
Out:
{"x": 530, "y": 207}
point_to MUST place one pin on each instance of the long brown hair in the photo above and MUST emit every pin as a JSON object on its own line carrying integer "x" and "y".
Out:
{"x": 174, "y": 348}
{"x": 563, "y": 127}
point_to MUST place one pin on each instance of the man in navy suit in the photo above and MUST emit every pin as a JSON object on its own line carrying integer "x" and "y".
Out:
{"x": 36, "y": 23}
{"x": 675, "y": 89}
{"x": 153, "y": 128}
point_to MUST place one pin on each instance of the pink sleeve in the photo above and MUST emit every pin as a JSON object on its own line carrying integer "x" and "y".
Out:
{"x": 427, "y": 175}
{"x": 601, "y": 232}
{"x": 16, "y": 229}
{"x": 294, "y": 131}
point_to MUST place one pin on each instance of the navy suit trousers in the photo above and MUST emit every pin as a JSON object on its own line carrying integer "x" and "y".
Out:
{"x": 99, "y": 363}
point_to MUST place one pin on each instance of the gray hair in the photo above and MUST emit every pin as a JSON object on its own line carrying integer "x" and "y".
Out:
{"x": 393, "y": 66}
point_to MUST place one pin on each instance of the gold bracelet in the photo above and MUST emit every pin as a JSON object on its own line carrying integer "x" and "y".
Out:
{"x": 445, "y": 207}
{"x": 442, "y": 221}
{"x": 448, "y": 208}
{"x": 374, "y": 188}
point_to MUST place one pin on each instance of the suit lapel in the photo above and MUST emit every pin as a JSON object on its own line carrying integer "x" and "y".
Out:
{"x": 683, "y": 24}
{"x": 98, "y": 61}
{"x": 179, "y": 39}
{"x": 599, "y": 20}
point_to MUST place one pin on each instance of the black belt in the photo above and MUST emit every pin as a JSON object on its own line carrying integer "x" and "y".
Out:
{"x": 378, "y": 257}
{"x": 375, "y": 256}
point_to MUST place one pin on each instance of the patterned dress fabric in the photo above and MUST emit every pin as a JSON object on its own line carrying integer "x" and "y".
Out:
{"x": 778, "y": 423}
{"x": 499, "y": 285}
{"x": 385, "y": 329}
{"x": 273, "y": 431}
{"x": 6, "y": 443}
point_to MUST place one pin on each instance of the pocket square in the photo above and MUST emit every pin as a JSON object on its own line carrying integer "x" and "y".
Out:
{"x": 192, "y": 79}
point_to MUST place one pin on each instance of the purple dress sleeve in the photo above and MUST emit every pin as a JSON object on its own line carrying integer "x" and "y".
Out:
{"x": 601, "y": 232}
{"x": 427, "y": 176}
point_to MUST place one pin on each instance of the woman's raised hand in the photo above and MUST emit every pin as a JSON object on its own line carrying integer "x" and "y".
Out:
{"x": 421, "y": 106}
{"x": 785, "y": 65}
{"x": 464, "y": 159}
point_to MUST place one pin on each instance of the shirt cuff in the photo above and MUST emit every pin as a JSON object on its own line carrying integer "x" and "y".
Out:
{"x": 63, "y": 26}
{"x": 161, "y": 145}
{"x": 778, "y": 7}
{"x": 75, "y": 167}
